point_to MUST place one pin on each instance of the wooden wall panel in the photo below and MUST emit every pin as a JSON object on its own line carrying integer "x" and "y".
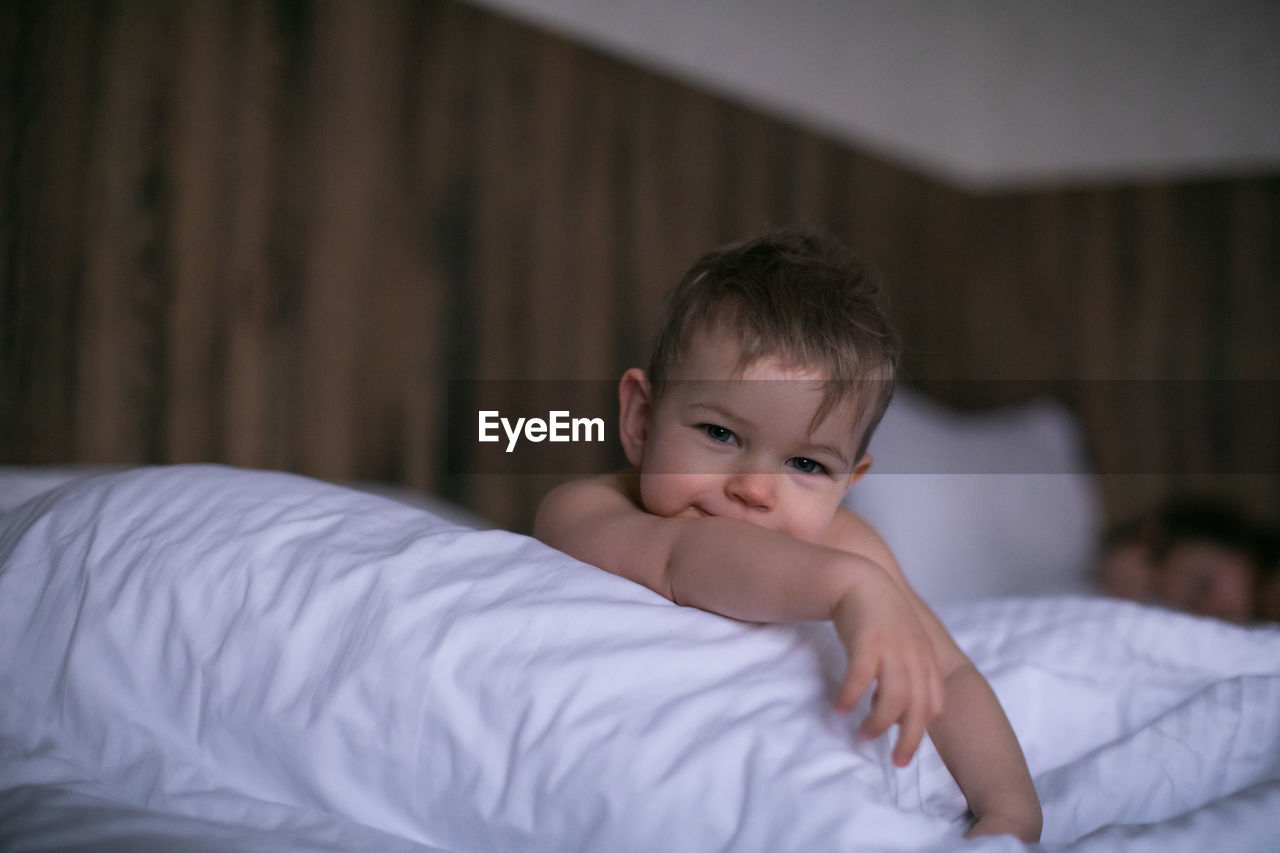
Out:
{"x": 276, "y": 234}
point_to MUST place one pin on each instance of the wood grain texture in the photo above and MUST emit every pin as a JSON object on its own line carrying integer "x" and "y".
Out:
{"x": 276, "y": 234}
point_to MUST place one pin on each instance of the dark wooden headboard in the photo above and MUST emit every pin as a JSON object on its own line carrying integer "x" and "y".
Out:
{"x": 271, "y": 233}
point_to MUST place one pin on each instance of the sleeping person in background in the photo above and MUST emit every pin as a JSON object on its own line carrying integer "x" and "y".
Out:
{"x": 1197, "y": 554}
{"x": 773, "y": 364}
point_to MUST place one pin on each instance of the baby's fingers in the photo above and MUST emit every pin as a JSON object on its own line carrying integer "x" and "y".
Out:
{"x": 924, "y": 705}
{"x": 910, "y": 733}
{"x": 887, "y": 707}
{"x": 857, "y": 679}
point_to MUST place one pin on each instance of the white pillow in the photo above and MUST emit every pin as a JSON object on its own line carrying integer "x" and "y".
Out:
{"x": 216, "y": 643}
{"x": 981, "y": 505}
{"x": 208, "y": 659}
{"x": 21, "y": 483}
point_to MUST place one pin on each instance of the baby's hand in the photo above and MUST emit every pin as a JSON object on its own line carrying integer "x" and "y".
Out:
{"x": 886, "y": 643}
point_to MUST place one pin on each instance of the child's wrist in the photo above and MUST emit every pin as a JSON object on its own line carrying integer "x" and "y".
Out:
{"x": 1026, "y": 829}
{"x": 1013, "y": 812}
{"x": 854, "y": 579}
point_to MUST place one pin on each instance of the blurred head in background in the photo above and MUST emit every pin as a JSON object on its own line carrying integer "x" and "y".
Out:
{"x": 1202, "y": 555}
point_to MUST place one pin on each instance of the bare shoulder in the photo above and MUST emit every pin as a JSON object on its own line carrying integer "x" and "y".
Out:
{"x": 850, "y": 532}
{"x": 593, "y": 517}
{"x": 576, "y": 500}
{"x": 600, "y": 521}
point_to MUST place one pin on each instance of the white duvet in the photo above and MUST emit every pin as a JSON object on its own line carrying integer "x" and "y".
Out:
{"x": 206, "y": 659}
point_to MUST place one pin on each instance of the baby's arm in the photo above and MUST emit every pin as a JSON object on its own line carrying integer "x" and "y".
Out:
{"x": 746, "y": 572}
{"x": 972, "y": 734}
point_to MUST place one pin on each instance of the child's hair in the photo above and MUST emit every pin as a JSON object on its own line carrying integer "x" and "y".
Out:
{"x": 1201, "y": 518}
{"x": 795, "y": 295}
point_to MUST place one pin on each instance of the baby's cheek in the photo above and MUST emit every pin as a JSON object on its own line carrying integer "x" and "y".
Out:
{"x": 819, "y": 530}
{"x": 664, "y": 495}
{"x": 808, "y": 530}
{"x": 815, "y": 537}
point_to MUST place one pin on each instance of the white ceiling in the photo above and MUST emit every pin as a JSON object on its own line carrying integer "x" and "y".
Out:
{"x": 986, "y": 94}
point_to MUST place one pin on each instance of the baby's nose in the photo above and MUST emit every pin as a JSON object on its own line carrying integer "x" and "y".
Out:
{"x": 752, "y": 488}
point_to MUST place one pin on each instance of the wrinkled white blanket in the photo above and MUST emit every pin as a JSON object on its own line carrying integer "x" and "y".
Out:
{"x": 201, "y": 658}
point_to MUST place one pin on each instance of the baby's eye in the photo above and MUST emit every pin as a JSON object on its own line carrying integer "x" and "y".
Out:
{"x": 807, "y": 466}
{"x": 718, "y": 433}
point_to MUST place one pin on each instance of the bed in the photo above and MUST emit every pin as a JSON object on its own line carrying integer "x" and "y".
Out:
{"x": 206, "y": 658}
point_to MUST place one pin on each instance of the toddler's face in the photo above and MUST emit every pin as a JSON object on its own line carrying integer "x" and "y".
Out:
{"x": 1199, "y": 577}
{"x": 1208, "y": 579}
{"x": 742, "y": 447}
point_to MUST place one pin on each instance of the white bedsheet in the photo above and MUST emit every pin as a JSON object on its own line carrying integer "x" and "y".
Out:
{"x": 200, "y": 658}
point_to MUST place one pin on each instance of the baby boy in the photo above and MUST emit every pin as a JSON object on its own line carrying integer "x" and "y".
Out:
{"x": 773, "y": 364}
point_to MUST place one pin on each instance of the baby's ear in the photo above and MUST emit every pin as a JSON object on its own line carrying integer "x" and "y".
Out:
{"x": 861, "y": 467}
{"x": 634, "y": 409}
